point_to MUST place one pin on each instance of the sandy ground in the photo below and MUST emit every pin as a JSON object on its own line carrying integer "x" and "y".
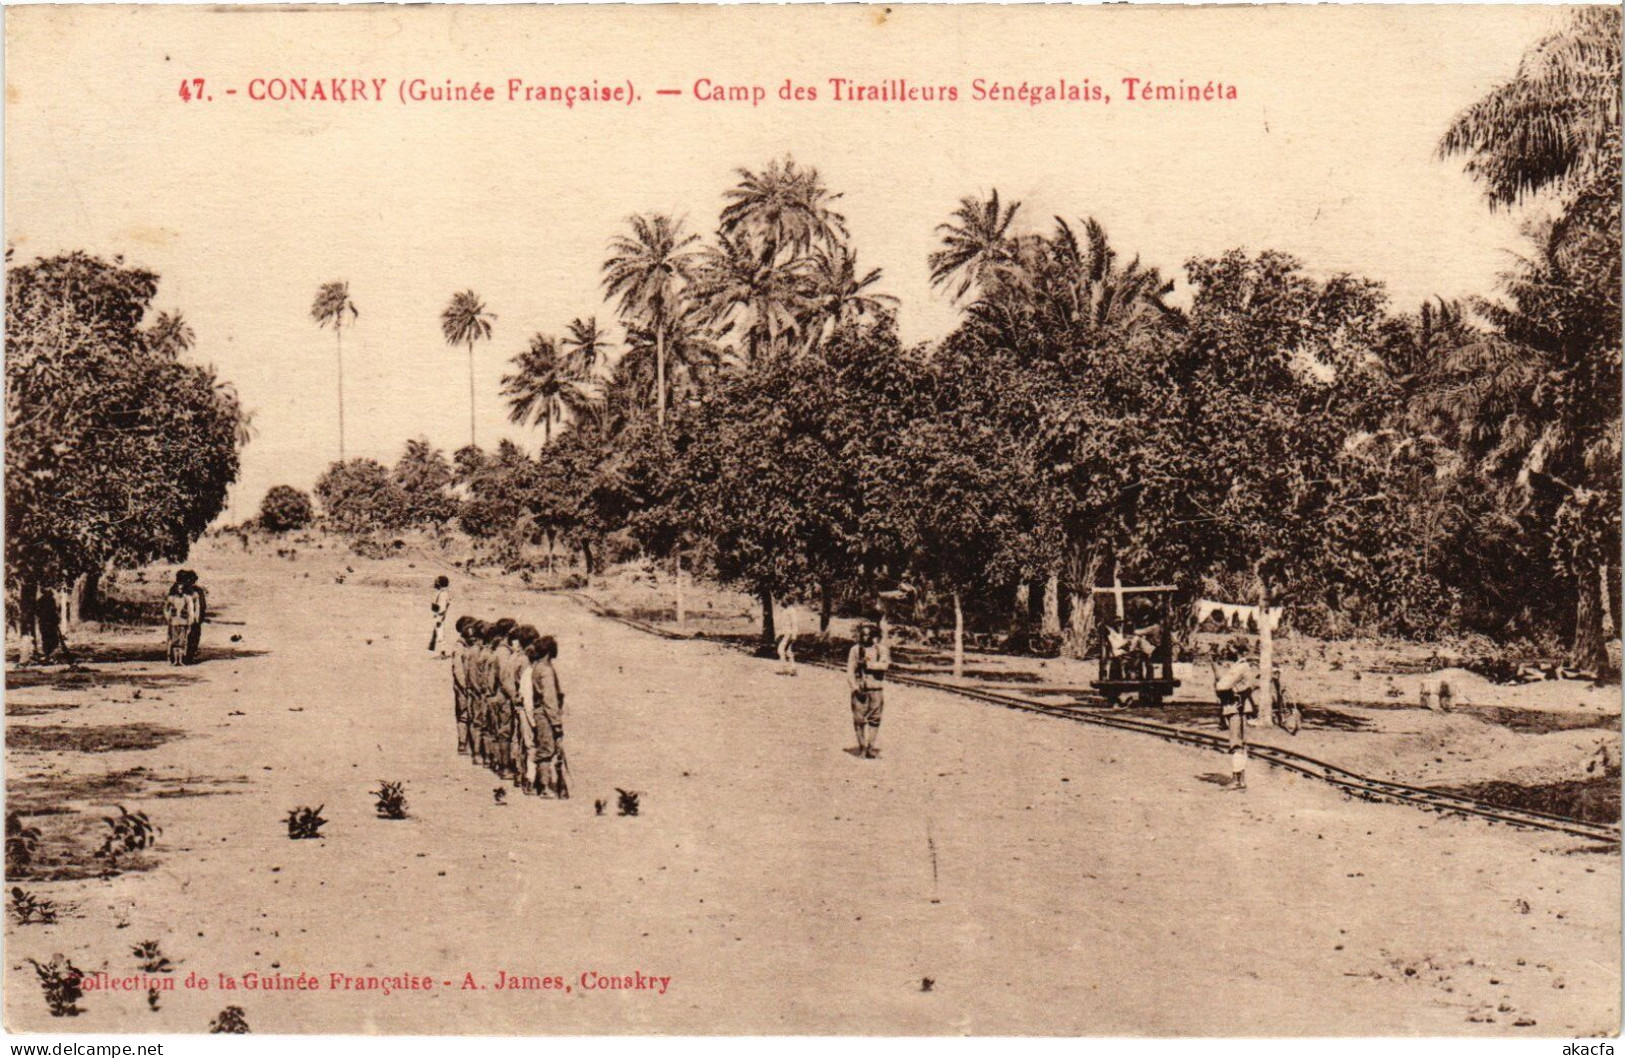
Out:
{"x": 1362, "y": 699}
{"x": 1045, "y": 877}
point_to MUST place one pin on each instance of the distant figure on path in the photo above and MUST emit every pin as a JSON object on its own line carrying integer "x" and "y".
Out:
{"x": 1236, "y": 705}
{"x": 178, "y": 619}
{"x": 200, "y": 613}
{"x": 791, "y": 628}
{"x": 440, "y": 608}
{"x": 866, "y": 668}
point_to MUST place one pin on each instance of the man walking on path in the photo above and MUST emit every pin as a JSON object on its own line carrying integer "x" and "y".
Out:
{"x": 866, "y": 668}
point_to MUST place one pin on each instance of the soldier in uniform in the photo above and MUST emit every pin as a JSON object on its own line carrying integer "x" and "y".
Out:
{"x": 866, "y": 668}
{"x": 519, "y": 642}
{"x": 510, "y": 663}
{"x": 479, "y": 687}
{"x": 544, "y": 708}
{"x": 460, "y": 655}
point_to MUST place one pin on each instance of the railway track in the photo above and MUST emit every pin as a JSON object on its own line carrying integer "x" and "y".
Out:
{"x": 1349, "y": 782}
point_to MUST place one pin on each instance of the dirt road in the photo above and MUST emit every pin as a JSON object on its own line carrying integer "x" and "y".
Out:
{"x": 1044, "y": 877}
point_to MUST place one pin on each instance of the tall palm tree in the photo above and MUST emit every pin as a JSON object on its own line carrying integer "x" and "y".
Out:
{"x": 976, "y": 244}
{"x": 545, "y": 385}
{"x": 1554, "y": 123}
{"x": 647, "y": 271}
{"x": 333, "y": 308}
{"x": 170, "y": 334}
{"x": 765, "y": 299}
{"x": 783, "y": 208}
{"x": 585, "y": 346}
{"x": 464, "y": 322}
{"x": 840, "y": 293}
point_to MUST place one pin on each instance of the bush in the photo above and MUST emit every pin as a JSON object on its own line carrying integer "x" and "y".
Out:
{"x": 285, "y": 508}
{"x": 305, "y": 822}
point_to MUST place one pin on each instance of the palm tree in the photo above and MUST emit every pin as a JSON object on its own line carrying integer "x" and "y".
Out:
{"x": 332, "y": 308}
{"x": 1555, "y": 389}
{"x": 585, "y": 347}
{"x": 764, "y": 298}
{"x": 170, "y": 334}
{"x": 545, "y": 385}
{"x": 648, "y": 271}
{"x": 976, "y": 244}
{"x": 1553, "y": 124}
{"x": 783, "y": 208}
{"x": 839, "y": 294}
{"x": 464, "y": 322}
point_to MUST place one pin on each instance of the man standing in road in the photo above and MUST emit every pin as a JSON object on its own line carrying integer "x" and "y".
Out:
{"x": 866, "y": 668}
{"x": 440, "y": 607}
{"x": 1234, "y": 690}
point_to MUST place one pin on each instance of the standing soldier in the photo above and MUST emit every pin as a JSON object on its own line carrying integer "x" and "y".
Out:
{"x": 519, "y": 641}
{"x": 509, "y": 663}
{"x": 544, "y": 704}
{"x": 866, "y": 668}
{"x": 479, "y": 691}
{"x": 1234, "y": 690}
{"x": 440, "y": 607}
{"x": 460, "y": 656}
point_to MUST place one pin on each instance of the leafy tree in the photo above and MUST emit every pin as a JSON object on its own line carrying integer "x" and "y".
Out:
{"x": 359, "y": 496}
{"x": 424, "y": 477}
{"x": 285, "y": 508}
{"x": 332, "y": 308}
{"x": 117, "y": 453}
{"x": 464, "y": 322}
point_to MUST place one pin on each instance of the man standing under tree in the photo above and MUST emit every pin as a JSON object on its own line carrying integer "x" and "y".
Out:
{"x": 200, "y": 613}
{"x": 866, "y": 668}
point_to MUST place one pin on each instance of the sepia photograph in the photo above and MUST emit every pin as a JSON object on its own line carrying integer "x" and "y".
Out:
{"x": 854, "y": 520}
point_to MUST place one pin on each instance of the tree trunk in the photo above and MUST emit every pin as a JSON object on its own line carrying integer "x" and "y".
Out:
{"x": 586, "y": 559}
{"x": 1266, "y": 657}
{"x": 1052, "y": 605}
{"x": 677, "y": 559}
{"x": 338, "y": 334}
{"x": 959, "y": 636}
{"x": 27, "y": 604}
{"x": 1605, "y": 598}
{"x": 1590, "y": 651}
{"x": 660, "y": 375}
{"x": 769, "y": 636}
{"x": 472, "y": 443}
{"x": 86, "y": 600}
{"x": 1020, "y": 611}
{"x": 1081, "y": 625}
{"x": 826, "y": 607}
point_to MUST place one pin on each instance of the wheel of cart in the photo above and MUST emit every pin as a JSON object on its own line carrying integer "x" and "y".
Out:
{"x": 1137, "y": 659}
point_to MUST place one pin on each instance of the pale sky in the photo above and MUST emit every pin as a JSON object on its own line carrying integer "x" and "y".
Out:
{"x": 245, "y": 208}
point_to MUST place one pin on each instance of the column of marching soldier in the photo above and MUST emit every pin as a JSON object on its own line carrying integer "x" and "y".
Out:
{"x": 509, "y": 708}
